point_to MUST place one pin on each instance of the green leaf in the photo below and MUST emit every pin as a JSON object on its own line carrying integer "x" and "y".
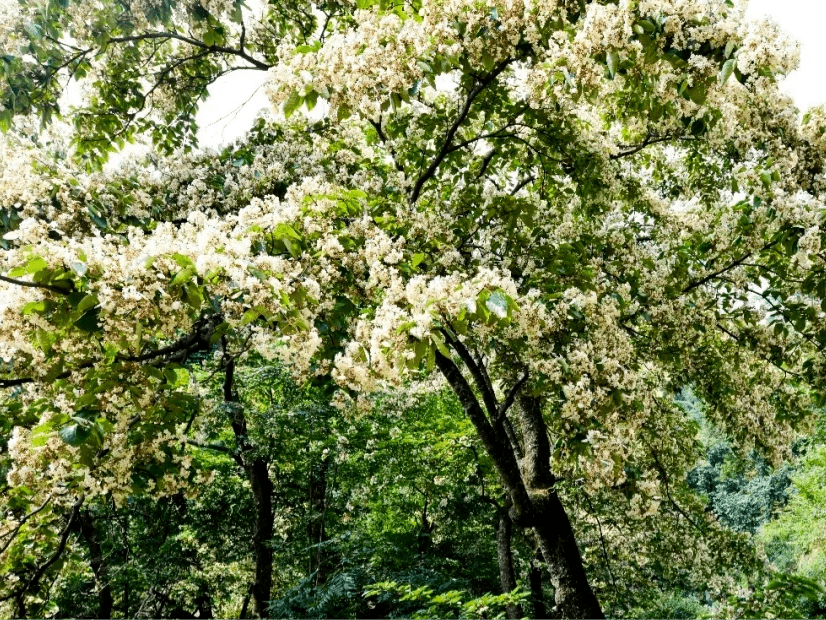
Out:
{"x": 612, "y": 60}
{"x": 439, "y": 342}
{"x": 89, "y": 321}
{"x": 404, "y": 327}
{"x": 193, "y": 295}
{"x": 183, "y": 276}
{"x": 34, "y": 265}
{"x": 248, "y": 317}
{"x": 311, "y": 99}
{"x": 183, "y": 261}
{"x": 727, "y": 70}
{"x": 89, "y": 301}
{"x": 104, "y": 425}
{"x": 697, "y": 94}
{"x": 74, "y": 434}
{"x": 487, "y": 60}
{"x": 33, "y": 306}
{"x": 41, "y": 433}
{"x": 292, "y": 103}
{"x": 343, "y": 112}
{"x": 177, "y": 377}
{"x": 33, "y": 30}
{"x": 220, "y": 330}
{"x": 497, "y": 303}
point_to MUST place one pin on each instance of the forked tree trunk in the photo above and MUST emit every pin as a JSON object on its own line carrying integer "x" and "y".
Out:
{"x": 529, "y": 483}
{"x": 572, "y": 592}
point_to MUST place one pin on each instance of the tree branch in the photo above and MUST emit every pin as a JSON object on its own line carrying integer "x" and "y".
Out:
{"x": 500, "y": 452}
{"x": 649, "y": 139}
{"x": 34, "y": 581}
{"x": 47, "y": 287}
{"x": 451, "y": 132}
{"x": 479, "y": 375}
{"x": 13, "y": 533}
{"x": 511, "y": 396}
{"x": 210, "y": 446}
{"x": 730, "y": 266}
{"x": 198, "y": 340}
{"x": 193, "y": 42}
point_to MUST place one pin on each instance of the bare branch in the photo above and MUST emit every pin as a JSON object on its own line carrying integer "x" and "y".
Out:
{"x": 735, "y": 263}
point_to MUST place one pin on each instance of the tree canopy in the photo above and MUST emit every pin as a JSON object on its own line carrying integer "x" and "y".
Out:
{"x": 524, "y": 225}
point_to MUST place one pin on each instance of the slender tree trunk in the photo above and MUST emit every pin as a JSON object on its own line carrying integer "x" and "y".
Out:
{"x": 529, "y": 483}
{"x": 535, "y": 582}
{"x": 424, "y": 538}
{"x": 316, "y": 532}
{"x": 257, "y": 470}
{"x": 90, "y": 535}
{"x": 264, "y": 520}
{"x": 505, "y": 557}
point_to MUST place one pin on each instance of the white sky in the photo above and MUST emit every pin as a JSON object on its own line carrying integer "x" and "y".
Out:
{"x": 805, "y": 21}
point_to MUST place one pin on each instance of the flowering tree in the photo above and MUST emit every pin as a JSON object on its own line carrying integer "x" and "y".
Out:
{"x": 565, "y": 210}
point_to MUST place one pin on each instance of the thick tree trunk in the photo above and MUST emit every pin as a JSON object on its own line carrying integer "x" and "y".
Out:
{"x": 505, "y": 557}
{"x": 572, "y": 592}
{"x": 529, "y": 482}
{"x": 99, "y": 568}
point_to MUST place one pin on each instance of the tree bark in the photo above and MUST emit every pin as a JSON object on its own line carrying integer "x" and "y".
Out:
{"x": 572, "y": 592}
{"x": 505, "y": 557}
{"x": 529, "y": 483}
{"x": 90, "y": 535}
{"x": 424, "y": 537}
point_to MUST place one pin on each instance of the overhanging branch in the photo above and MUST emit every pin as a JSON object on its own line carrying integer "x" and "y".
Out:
{"x": 197, "y": 340}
